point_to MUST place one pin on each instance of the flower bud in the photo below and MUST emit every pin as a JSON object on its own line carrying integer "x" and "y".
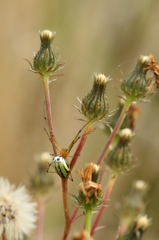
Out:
{"x": 95, "y": 105}
{"x": 120, "y": 158}
{"x": 141, "y": 225}
{"x": 82, "y": 235}
{"x": 135, "y": 86}
{"x": 45, "y": 61}
{"x": 41, "y": 182}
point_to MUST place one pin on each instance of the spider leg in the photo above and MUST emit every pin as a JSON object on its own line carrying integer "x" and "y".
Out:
{"x": 48, "y": 167}
{"x": 77, "y": 137}
{"x": 51, "y": 136}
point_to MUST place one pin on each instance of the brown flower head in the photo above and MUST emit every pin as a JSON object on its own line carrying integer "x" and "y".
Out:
{"x": 90, "y": 191}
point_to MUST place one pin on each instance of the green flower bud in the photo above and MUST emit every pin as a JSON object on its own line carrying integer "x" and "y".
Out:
{"x": 45, "y": 61}
{"x": 135, "y": 86}
{"x": 95, "y": 105}
{"x": 120, "y": 158}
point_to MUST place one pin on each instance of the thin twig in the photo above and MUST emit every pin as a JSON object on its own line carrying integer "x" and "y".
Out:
{"x": 110, "y": 186}
{"x": 116, "y": 128}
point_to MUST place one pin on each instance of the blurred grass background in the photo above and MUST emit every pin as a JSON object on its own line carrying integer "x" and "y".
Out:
{"x": 92, "y": 36}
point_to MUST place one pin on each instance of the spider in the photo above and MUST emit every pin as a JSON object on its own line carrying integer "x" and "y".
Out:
{"x": 60, "y": 162}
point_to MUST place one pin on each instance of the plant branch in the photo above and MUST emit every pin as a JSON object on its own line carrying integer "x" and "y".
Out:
{"x": 66, "y": 207}
{"x": 80, "y": 145}
{"x": 39, "y": 231}
{"x": 116, "y": 128}
{"x": 49, "y": 113}
{"x": 110, "y": 186}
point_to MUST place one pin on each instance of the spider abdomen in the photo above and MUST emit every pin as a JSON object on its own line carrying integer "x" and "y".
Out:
{"x": 61, "y": 166}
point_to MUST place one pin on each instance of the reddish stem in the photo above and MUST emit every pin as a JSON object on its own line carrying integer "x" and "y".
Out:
{"x": 110, "y": 186}
{"x": 66, "y": 208}
{"x": 49, "y": 114}
{"x": 74, "y": 215}
{"x": 116, "y": 128}
{"x": 80, "y": 145}
{"x": 39, "y": 231}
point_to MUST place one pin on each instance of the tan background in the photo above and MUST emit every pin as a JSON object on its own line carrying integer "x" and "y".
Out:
{"x": 92, "y": 36}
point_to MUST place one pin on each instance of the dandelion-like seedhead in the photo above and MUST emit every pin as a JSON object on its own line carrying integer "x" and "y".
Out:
{"x": 17, "y": 212}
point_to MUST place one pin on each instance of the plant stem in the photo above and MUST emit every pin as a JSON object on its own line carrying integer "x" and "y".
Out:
{"x": 116, "y": 128}
{"x": 111, "y": 182}
{"x": 39, "y": 231}
{"x": 88, "y": 213}
{"x": 49, "y": 114}
{"x": 3, "y": 235}
{"x": 66, "y": 207}
{"x": 80, "y": 145}
{"x": 74, "y": 215}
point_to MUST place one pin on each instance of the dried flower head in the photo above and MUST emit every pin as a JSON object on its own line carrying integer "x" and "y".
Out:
{"x": 17, "y": 212}
{"x": 120, "y": 159}
{"x": 95, "y": 105}
{"x": 90, "y": 191}
{"x": 154, "y": 67}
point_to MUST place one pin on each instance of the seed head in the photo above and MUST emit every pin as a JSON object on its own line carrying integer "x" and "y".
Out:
{"x": 17, "y": 212}
{"x": 95, "y": 105}
{"x": 90, "y": 191}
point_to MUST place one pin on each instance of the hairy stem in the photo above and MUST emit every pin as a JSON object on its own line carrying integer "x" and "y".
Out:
{"x": 88, "y": 213}
{"x": 49, "y": 113}
{"x": 106, "y": 197}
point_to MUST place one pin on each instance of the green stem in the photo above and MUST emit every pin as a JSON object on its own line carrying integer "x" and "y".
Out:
{"x": 111, "y": 182}
{"x": 49, "y": 113}
{"x": 88, "y": 213}
{"x": 116, "y": 128}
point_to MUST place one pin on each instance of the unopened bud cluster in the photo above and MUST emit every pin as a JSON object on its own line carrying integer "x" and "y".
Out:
{"x": 120, "y": 158}
{"x": 95, "y": 105}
